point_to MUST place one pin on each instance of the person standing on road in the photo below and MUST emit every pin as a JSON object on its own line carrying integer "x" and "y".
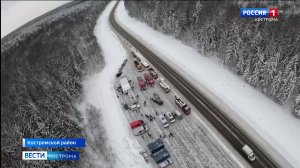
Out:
{"x": 156, "y": 113}
{"x": 145, "y": 103}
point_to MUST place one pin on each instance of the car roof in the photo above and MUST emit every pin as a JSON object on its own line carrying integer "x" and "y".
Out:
{"x": 161, "y": 116}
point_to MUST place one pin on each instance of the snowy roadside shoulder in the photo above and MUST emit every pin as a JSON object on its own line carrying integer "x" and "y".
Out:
{"x": 99, "y": 92}
{"x": 253, "y": 111}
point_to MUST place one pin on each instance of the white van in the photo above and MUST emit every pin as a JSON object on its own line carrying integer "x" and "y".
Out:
{"x": 170, "y": 116}
{"x": 163, "y": 121}
{"x": 140, "y": 130}
{"x": 145, "y": 64}
{"x": 178, "y": 114}
{"x": 135, "y": 107}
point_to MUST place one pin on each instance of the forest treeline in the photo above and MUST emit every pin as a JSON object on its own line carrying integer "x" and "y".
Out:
{"x": 264, "y": 54}
{"x": 42, "y": 67}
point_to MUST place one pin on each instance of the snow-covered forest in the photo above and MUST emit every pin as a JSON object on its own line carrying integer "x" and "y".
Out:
{"x": 42, "y": 66}
{"x": 265, "y": 54}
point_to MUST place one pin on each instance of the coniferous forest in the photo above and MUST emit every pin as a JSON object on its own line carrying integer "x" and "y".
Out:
{"x": 265, "y": 54}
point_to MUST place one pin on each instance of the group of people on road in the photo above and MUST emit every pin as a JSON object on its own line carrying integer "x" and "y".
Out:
{"x": 150, "y": 117}
{"x": 163, "y": 135}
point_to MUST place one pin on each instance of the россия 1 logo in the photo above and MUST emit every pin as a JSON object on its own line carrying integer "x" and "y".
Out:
{"x": 260, "y": 14}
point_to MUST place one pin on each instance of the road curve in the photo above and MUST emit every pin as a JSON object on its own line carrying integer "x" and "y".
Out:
{"x": 237, "y": 137}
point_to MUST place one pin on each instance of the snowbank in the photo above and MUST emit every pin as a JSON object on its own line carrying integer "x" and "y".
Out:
{"x": 278, "y": 130}
{"x": 16, "y": 13}
{"x": 99, "y": 92}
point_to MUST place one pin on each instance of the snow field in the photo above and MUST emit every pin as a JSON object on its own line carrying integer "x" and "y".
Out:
{"x": 99, "y": 92}
{"x": 16, "y": 13}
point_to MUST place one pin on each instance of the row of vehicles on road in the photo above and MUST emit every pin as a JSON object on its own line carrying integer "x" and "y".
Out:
{"x": 119, "y": 73}
{"x": 170, "y": 118}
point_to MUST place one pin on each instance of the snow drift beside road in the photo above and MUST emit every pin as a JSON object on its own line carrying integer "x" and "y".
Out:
{"x": 16, "y": 13}
{"x": 99, "y": 92}
{"x": 254, "y": 112}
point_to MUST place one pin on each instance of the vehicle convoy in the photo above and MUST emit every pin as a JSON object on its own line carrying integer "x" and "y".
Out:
{"x": 159, "y": 153}
{"x": 138, "y": 66}
{"x": 119, "y": 73}
{"x": 153, "y": 73}
{"x": 182, "y": 105}
{"x": 125, "y": 85}
{"x": 157, "y": 99}
{"x": 149, "y": 79}
{"x": 163, "y": 121}
{"x": 249, "y": 152}
{"x": 142, "y": 83}
{"x": 170, "y": 116}
{"x": 163, "y": 85}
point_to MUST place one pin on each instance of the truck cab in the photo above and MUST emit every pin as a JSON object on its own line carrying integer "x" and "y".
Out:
{"x": 153, "y": 73}
{"x": 249, "y": 152}
{"x": 182, "y": 105}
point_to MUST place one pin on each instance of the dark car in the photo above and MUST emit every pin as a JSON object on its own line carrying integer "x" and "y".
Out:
{"x": 133, "y": 54}
{"x": 157, "y": 99}
{"x": 119, "y": 74}
{"x": 125, "y": 106}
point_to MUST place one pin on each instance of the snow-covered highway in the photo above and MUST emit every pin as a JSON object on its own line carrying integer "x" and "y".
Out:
{"x": 263, "y": 158}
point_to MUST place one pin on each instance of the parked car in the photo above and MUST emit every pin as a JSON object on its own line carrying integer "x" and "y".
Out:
{"x": 163, "y": 121}
{"x": 133, "y": 54}
{"x": 170, "y": 116}
{"x": 157, "y": 99}
{"x": 119, "y": 74}
{"x": 140, "y": 130}
{"x": 125, "y": 105}
{"x": 178, "y": 114}
{"x": 135, "y": 107}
